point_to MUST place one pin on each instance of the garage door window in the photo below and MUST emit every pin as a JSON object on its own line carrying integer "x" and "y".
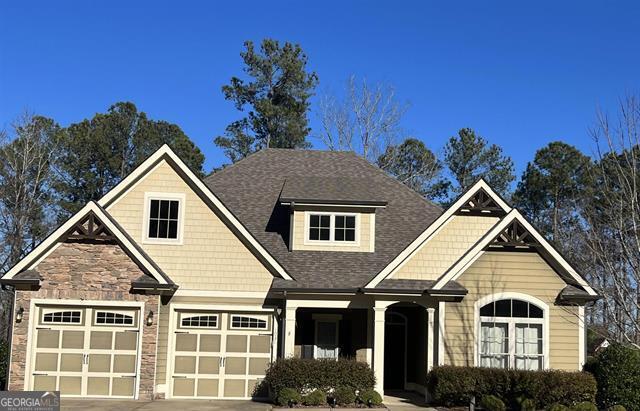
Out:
{"x": 113, "y": 318}
{"x": 199, "y": 321}
{"x": 246, "y": 322}
{"x": 62, "y": 317}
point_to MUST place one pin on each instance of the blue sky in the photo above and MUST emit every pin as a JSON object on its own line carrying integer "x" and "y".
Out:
{"x": 521, "y": 75}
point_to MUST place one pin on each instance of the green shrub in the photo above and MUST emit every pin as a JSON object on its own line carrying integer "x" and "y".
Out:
{"x": 558, "y": 407}
{"x": 616, "y": 408}
{"x": 617, "y": 371}
{"x": 455, "y": 386}
{"x": 288, "y": 396}
{"x": 584, "y": 406}
{"x": 344, "y": 395}
{"x": 370, "y": 397}
{"x": 492, "y": 403}
{"x": 307, "y": 374}
{"x": 315, "y": 397}
{"x": 527, "y": 404}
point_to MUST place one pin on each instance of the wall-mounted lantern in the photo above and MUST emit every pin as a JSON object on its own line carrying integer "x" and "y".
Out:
{"x": 150, "y": 318}
{"x": 19, "y": 315}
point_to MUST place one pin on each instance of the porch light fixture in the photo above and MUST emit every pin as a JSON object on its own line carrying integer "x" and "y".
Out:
{"x": 150, "y": 318}
{"x": 19, "y": 315}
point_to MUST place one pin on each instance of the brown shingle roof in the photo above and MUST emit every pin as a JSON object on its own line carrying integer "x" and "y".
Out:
{"x": 252, "y": 187}
{"x": 333, "y": 190}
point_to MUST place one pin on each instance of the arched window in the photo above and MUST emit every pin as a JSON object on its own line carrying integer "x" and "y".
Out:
{"x": 512, "y": 334}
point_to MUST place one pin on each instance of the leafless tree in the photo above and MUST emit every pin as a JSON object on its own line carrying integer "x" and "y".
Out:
{"x": 366, "y": 120}
{"x": 613, "y": 222}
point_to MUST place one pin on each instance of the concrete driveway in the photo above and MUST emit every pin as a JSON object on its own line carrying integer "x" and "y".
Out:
{"x": 162, "y": 405}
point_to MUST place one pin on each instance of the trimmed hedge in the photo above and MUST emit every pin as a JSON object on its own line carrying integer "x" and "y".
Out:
{"x": 617, "y": 371}
{"x": 370, "y": 397}
{"x": 344, "y": 396}
{"x": 452, "y": 386}
{"x": 315, "y": 398}
{"x": 288, "y": 396}
{"x": 306, "y": 375}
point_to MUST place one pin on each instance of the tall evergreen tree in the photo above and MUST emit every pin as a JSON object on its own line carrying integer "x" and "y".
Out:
{"x": 469, "y": 157}
{"x": 552, "y": 186}
{"x": 96, "y": 153}
{"x": 413, "y": 164}
{"x": 276, "y": 97}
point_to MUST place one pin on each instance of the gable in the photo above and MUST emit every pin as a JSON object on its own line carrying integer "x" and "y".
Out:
{"x": 210, "y": 256}
{"x": 447, "y": 245}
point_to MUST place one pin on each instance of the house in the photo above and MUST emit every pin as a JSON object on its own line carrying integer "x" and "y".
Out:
{"x": 175, "y": 287}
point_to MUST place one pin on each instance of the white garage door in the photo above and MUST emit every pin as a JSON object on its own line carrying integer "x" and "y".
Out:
{"x": 219, "y": 355}
{"x": 85, "y": 351}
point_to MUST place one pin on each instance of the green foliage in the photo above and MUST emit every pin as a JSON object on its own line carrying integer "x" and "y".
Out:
{"x": 553, "y": 187}
{"x": 558, "y": 407}
{"x": 469, "y": 157}
{"x": 276, "y": 97}
{"x": 584, "y": 406}
{"x": 492, "y": 403}
{"x": 457, "y": 385}
{"x": 304, "y": 375}
{"x": 96, "y": 153}
{"x": 413, "y": 164}
{"x": 288, "y": 396}
{"x": 527, "y": 404}
{"x": 616, "y": 408}
{"x": 4, "y": 363}
{"x": 370, "y": 397}
{"x": 344, "y": 395}
{"x": 315, "y": 397}
{"x": 617, "y": 371}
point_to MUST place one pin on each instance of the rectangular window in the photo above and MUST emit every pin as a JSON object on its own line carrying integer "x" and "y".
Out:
{"x": 199, "y": 321}
{"x": 113, "y": 318}
{"x": 494, "y": 345}
{"x": 326, "y": 340}
{"x": 528, "y": 347}
{"x": 163, "y": 219}
{"x": 62, "y": 317}
{"x": 332, "y": 228}
{"x": 246, "y": 322}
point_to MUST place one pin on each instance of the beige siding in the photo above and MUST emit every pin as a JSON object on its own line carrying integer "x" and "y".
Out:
{"x": 211, "y": 256}
{"x": 163, "y": 324}
{"x": 527, "y": 273}
{"x": 445, "y": 248}
{"x": 367, "y": 225}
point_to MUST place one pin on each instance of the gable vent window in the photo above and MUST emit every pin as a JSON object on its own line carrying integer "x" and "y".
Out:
{"x": 163, "y": 219}
{"x": 332, "y": 228}
{"x": 62, "y": 317}
{"x": 255, "y": 323}
{"x": 111, "y": 318}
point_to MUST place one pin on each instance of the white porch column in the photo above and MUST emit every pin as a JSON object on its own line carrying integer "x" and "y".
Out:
{"x": 289, "y": 332}
{"x": 370, "y": 338}
{"x": 431, "y": 312}
{"x": 378, "y": 347}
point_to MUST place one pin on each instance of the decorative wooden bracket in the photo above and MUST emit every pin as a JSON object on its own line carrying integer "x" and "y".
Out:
{"x": 90, "y": 229}
{"x": 481, "y": 204}
{"x": 515, "y": 237}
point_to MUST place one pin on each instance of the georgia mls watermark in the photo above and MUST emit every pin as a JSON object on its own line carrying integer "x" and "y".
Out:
{"x": 29, "y": 400}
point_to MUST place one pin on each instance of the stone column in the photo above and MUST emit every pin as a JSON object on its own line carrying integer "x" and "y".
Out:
{"x": 289, "y": 332}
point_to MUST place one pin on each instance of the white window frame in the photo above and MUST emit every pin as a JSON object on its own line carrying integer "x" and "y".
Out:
{"x": 52, "y": 310}
{"x": 129, "y": 313}
{"x": 183, "y": 315}
{"x": 258, "y": 317}
{"x": 332, "y": 226}
{"x": 180, "y": 197}
{"x": 331, "y": 319}
{"x": 511, "y": 321}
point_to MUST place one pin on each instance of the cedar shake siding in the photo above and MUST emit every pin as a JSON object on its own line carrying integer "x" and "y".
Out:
{"x": 75, "y": 271}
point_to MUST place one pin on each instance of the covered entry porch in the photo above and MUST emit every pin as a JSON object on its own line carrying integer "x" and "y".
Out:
{"x": 400, "y": 337}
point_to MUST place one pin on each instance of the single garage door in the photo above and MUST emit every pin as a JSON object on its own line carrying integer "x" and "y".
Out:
{"x": 86, "y": 351}
{"x": 219, "y": 355}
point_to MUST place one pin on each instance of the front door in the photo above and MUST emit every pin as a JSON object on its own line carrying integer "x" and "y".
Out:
{"x": 395, "y": 351}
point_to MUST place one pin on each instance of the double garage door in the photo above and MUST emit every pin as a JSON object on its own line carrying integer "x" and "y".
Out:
{"x": 218, "y": 354}
{"x": 85, "y": 351}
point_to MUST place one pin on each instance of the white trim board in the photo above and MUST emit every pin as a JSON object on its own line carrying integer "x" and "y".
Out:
{"x": 478, "y": 249}
{"x": 433, "y": 229}
{"x": 50, "y": 243}
{"x": 165, "y": 153}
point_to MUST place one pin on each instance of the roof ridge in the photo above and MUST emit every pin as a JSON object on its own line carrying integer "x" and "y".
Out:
{"x": 230, "y": 166}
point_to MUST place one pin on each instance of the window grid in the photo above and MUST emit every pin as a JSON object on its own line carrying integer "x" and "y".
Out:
{"x": 163, "y": 219}
{"x": 345, "y": 228}
{"x": 238, "y": 321}
{"x": 111, "y": 318}
{"x": 340, "y": 228}
{"x": 63, "y": 317}
{"x": 319, "y": 227}
{"x": 200, "y": 321}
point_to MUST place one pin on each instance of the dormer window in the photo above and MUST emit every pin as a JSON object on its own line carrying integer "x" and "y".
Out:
{"x": 336, "y": 228}
{"x": 164, "y": 215}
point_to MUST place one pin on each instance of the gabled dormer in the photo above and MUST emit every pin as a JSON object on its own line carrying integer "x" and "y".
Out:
{"x": 331, "y": 214}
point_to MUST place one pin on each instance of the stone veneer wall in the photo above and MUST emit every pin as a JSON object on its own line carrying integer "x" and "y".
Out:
{"x": 90, "y": 272}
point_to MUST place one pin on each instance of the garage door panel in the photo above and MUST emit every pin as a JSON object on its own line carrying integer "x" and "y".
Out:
{"x": 260, "y": 344}
{"x": 126, "y": 340}
{"x": 186, "y": 342}
{"x": 101, "y": 340}
{"x": 73, "y": 339}
{"x": 71, "y": 362}
{"x": 209, "y": 365}
{"x": 98, "y": 386}
{"x": 185, "y": 364}
{"x": 124, "y": 364}
{"x": 210, "y": 343}
{"x": 46, "y": 362}
{"x": 70, "y": 385}
{"x": 183, "y": 387}
{"x": 47, "y": 338}
{"x": 207, "y": 387}
{"x": 234, "y": 388}
{"x": 44, "y": 383}
{"x": 123, "y": 387}
{"x": 99, "y": 362}
{"x": 258, "y": 366}
{"x": 236, "y": 343}
{"x": 235, "y": 366}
